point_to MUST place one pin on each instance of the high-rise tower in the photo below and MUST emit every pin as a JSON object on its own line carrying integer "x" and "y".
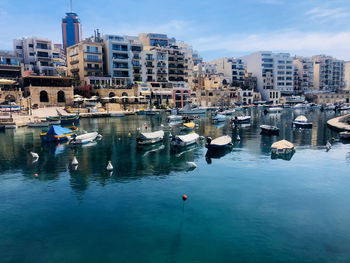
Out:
{"x": 72, "y": 31}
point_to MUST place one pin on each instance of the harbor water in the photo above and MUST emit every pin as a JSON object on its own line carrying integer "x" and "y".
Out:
{"x": 242, "y": 205}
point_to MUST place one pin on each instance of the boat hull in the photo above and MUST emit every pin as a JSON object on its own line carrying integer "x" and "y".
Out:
{"x": 302, "y": 125}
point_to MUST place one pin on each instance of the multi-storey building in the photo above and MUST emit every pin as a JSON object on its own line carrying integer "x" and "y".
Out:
{"x": 328, "y": 73}
{"x": 155, "y": 65}
{"x": 347, "y": 75}
{"x": 155, "y": 40}
{"x": 118, "y": 59}
{"x": 274, "y": 73}
{"x": 72, "y": 32}
{"x": 304, "y": 77}
{"x": 84, "y": 61}
{"x": 10, "y": 67}
{"x": 231, "y": 68}
{"x": 176, "y": 64}
{"x": 35, "y": 54}
{"x": 136, "y": 58}
{"x": 59, "y": 59}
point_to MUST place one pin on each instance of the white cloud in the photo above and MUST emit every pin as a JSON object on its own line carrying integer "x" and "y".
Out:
{"x": 301, "y": 43}
{"x": 323, "y": 14}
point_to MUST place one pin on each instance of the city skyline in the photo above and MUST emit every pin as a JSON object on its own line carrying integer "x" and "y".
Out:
{"x": 227, "y": 29}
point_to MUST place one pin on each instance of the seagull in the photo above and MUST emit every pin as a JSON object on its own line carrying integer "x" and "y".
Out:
{"x": 328, "y": 146}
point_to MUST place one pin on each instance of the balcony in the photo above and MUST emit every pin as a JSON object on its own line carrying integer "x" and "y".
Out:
{"x": 149, "y": 59}
{"x": 73, "y": 62}
{"x": 74, "y": 70}
{"x": 90, "y": 51}
{"x": 93, "y": 69}
{"x": 93, "y": 60}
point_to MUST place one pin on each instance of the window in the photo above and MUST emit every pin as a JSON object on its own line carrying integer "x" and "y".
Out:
{"x": 42, "y": 46}
{"x": 119, "y": 47}
{"x": 31, "y": 54}
{"x": 43, "y": 54}
{"x": 30, "y": 45}
{"x": 93, "y": 58}
{"x": 18, "y": 47}
{"x": 92, "y": 49}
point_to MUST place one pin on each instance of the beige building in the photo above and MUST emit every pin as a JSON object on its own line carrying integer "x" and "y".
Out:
{"x": 324, "y": 98}
{"x": 347, "y": 75}
{"x": 84, "y": 60}
{"x": 49, "y": 91}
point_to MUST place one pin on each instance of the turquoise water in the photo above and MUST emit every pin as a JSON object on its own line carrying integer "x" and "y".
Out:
{"x": 242, "y": 207}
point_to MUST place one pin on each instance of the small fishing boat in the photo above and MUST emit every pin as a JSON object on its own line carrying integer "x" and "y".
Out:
{"x": 301, "y": 106}
{"x": 219, "y": 118}
{"x": 241, "y": 119}
{"x": 269, "y": 129}
{"x": 188, "y": 126}
{"x": 83, "y": 138}
{"x": 187, "y": 109}
{"x": 328, "y": 107}
{"x": 219, "y": 143}
{"x": 228, "y": 112}
{"x": 58, "y": 134}
{"x": 145, "y": 138}
{"x": 174, "y": 118}
{"x": 117, "y": 114}
{"x": 43, "y": 123}
{"x": 345, "y": 135}
{"x": 282, "y": 147}
{"x": 151, "y": 112}
{"x": 8, "y": 125}
{"x": 184, "y": 140}
{"x": 65, "y": 119}
{"x": 273, "y": 110}
{"x": 301, "y": 122}
{"x": 344, "y": 107}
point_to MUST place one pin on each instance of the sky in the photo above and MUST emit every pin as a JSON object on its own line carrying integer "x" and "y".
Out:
{"x": 221, "y": 28}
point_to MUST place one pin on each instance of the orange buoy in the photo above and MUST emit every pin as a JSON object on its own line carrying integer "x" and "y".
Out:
{"x": 184, "y": 197}
{"x": 35, "y": 175}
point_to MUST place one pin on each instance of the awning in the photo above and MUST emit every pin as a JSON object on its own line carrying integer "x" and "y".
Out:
{"x": 145, "y": 92}
{"x": 7, "y": 82}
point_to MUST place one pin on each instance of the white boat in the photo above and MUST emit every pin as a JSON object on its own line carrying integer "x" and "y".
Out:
{"x": 145, "y": 138}
{"x": 241, "y": 119}
{"x": 282, "y": 147}
{"x": 269, "y": 129}
{"x": 117, "y": 114}
{"x": 301, "y": 106}
{"x": 187, "y": 109}
{"x": 219, "y": 143}
{"x": 174, "y": 118}
{"x": 345, "y": 135}
{"x": 219, "y": 118}
{"x": 274, "y": 110}
{"x": 83, "y": 138}
{"x": 301, "y": 122}
{"x": 185, "y": 140}
{"x": 329, "y": 106}
{"x": 43, "y": 123}
{"x": 227, "y": 112}
{"x": 345, "y": 106}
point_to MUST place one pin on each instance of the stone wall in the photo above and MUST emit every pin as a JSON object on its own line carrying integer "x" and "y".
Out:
{"x": 49, "y": 96}
{"x": 14, "y": 94}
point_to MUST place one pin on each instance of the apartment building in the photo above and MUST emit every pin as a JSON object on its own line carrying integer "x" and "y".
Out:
{"x": 274, "y": 73}
{"x": 85, "y": 61}
{"x": 35, "y": 54}
{"x": 59, "y": 59}
{"x": 155, "y": 40}
{"x": 328, "y": 73}
{"x": 347, "y": 75}
{"x": 10, "y": 67}
{"x": 232, "y": 68}
{"x": 304, "y": 75}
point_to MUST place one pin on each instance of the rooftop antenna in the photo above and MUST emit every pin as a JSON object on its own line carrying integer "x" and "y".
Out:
{"x": 71, "y": 6}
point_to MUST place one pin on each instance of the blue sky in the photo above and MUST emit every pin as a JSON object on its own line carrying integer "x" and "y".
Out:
{"x": 215, "y": 28}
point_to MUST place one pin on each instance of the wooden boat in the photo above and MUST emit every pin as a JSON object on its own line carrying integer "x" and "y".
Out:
{"x": 301, "y": 122}
{"x": 174, "y": 118}
{"x": 58, "y": 134}
{"x": 269, "y": 129}
{"x": 241, "y": 119}
{"x": 145, "y": 138}
{"x": 184, "y": 140}
{"x": 282, "y": 147}
{"x": 65, "y": 119}
{"x": 83, "y": 138}
{"x": 345, "y": 135}
{"x": 273, "y": 110}
{"x": 187, "y": 109}
{"x": 219, "y": 118}
{"x": 43, "y": 123}
{"x": 188, "y": 126}
{"x": 219, "y": 143}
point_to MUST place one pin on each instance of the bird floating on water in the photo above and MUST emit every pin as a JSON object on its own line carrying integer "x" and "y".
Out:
{"x": 34, "y": 155}
{"x": 328, "y": 146}
{"x": 109, "y": 166}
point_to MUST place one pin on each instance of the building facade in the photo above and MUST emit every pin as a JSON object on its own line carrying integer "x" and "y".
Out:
{"x": 36, "y": 55}
{"x": 347, "y": 75}
{"x": 304, "y": 69}
{"x": 72, "y": 31}
{"x": 84, "y": 60}
{"x": 328, "y": 74}
{"x": 10, "y": 67}
{"x": 232, "y": 68}
{"x": 274, "y": 73}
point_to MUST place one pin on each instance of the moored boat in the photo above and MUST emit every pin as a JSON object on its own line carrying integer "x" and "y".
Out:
{"x": 43, "y": 123}
{"x": 65, "y": 119}
{"x": 174, "y": 118}
{"x": 301, "y": 122}
{"x": 145, "y": 138}
{"x": 345, "y": 135}
{"x": 187, "y": 109}
{"x": 219, "y": 118}
{"x": 227, "y": 112}
{"x": 57, "y": 134}
{"x": 301, "y": 106}
{"x": 282, "y": 147}
{"x": 269, "y": 129}
{"x": 219, "y": 143}
{"x": 184, "y": 140}
{"x": 188, "y": 126}
{"x": 241, "y": 119}
{"x": 83, "y": 138}
{"x": 273, "y": 110}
